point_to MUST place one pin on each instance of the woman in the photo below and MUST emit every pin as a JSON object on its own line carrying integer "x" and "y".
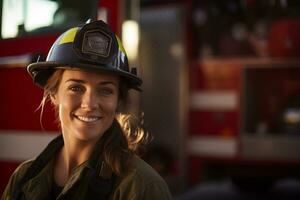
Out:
{"x": 86, "y": 77}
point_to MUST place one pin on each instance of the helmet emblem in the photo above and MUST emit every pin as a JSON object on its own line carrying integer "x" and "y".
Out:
{"x": 96, "y": 43}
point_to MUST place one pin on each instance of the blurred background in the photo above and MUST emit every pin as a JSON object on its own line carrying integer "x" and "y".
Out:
{"x": 221, "y": 92}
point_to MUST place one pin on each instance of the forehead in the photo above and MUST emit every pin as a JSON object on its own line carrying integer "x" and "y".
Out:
{"x": 89, "y": 76}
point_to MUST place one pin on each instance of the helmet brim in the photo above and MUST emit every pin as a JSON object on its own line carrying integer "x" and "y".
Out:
{"x": 41, "y": 72}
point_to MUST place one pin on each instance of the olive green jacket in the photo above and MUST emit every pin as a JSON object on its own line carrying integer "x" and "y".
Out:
{"x": 141, "y": 182}
{"x": 91, "y": 180}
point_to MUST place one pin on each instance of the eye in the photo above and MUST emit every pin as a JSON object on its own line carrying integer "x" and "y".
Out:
{"x": 106, "y": 91}
{"x": 76, "y": 88}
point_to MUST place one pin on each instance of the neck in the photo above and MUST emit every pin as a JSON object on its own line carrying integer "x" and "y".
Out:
{"x": 73, "y": 153}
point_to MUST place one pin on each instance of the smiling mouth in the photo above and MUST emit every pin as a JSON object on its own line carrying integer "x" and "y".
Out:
{"x": 87, "y": 119}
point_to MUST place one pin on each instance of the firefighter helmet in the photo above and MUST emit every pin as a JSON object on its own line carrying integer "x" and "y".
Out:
{"x": 93, "y": 47}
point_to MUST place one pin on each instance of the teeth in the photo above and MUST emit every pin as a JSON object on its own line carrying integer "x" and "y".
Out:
{"x": 88, "y": 119}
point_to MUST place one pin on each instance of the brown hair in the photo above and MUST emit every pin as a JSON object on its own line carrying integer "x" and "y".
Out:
{"x": 118, "y": 148}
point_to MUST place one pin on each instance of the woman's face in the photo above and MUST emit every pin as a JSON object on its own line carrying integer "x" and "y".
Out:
{"x": 86, "y": 103}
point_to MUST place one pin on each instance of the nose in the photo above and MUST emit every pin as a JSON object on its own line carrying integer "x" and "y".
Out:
{"x": 89, "y": 101}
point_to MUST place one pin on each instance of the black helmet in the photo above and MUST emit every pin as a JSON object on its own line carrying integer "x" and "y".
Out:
{"x": 93, "y": 47}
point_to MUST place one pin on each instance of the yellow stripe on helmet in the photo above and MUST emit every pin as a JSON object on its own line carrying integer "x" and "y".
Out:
{"x": 68, "y": 36}
{"x": 120, "y": 45}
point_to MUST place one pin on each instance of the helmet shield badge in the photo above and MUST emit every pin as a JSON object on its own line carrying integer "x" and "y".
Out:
{"x": 96, "y": 43}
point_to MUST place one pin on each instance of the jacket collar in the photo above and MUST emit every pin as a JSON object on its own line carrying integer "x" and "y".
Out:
{"x": 39, "y": 187}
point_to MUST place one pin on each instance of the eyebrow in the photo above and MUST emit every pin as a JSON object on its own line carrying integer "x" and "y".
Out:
{"x": 82, "y": 81}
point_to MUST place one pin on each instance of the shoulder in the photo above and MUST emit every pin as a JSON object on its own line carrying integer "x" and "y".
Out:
{"x": 21, "y": 170}
{"x": 141, "y": 182}
{"x": 142, "y": 171}
{"x": 16, "y": 177}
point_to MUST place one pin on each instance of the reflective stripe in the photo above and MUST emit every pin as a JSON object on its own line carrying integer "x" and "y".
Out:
{"x": 23, "y": 145}
{"x": 212, "y": 146}
{"x": 15, "y": 61}
{"x": 214, "y": 100}
{"x": 69, "y": 36}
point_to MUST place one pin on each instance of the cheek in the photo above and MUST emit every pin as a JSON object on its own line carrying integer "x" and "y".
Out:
{"x": 62, "y": 112}
{"x": 65, "y": 106}
{"x": 111, "y": 106}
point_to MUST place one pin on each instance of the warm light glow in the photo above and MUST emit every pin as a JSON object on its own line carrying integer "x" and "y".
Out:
{"x": 31, "y": 14}
{"x": 130, "y": 38}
